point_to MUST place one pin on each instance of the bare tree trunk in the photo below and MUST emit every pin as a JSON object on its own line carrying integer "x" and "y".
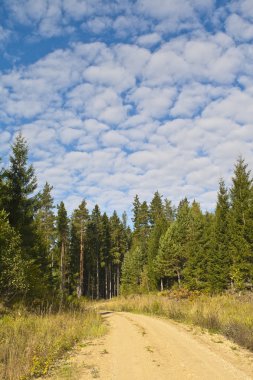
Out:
{"x": 97, "y": 279}
{"x": 110, "y": 281}
{"x": 178, "y": 278}
{"x": 114, "y": 283}
{"x": 117, "y": 280}
{"x": 62, "y": 268}
{"x": 161, "y": 284}
{"x": 106, "y": 282}
{"x": 81, "y": 278}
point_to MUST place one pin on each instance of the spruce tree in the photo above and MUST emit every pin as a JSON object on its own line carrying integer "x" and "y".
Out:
{"x": 219, "y": 260}
{"x": 173, "y": 253}
{"x": 13, "y": 281}
{"x": 158, "y": 226}
{"x": 20, "y": 202}
{"x": 241, "y": 226}
{"x": 195, "y": 272}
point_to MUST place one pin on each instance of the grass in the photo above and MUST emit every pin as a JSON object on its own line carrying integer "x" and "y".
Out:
{"x": 229, "y": 315}
{"x": 31, "y": 343}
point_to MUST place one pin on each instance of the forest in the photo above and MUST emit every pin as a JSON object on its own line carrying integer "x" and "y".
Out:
{"x": 46, "y": 254}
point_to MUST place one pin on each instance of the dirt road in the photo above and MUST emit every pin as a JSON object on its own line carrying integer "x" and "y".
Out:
{"x": 139, "y": 347}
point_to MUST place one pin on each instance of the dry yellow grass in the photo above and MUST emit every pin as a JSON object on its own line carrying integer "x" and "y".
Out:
{"x": 230, "y": 315}
{"x": 31, "y": 343}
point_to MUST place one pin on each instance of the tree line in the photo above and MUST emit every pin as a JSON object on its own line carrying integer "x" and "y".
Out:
{"x": 46, "y": 254}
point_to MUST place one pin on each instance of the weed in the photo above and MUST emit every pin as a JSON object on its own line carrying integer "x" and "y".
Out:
{"x": 31, "y": 343}
{"x": 228, "y": 314}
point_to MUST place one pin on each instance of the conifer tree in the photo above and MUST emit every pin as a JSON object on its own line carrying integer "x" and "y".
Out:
{"x": 136, "y": 212}
{"x": 63, "y": 232}
{"x": 106, "y": 260}
{"x": 95, "y": 231}
{"x": 173, "y": 253}
{"x": 219, "y": 260}
{"x": 79, "y": 221}
{"x": 45, "y": 222}
{"x": 20, "y": 202}
{"x": 241, "y": 226}
{"x": 13, "y": 282}
{"x": 159, "y": 224}
{"x": 195, "y": 270}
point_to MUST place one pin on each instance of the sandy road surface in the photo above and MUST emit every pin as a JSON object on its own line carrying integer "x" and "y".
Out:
{"x": 139, "y": 347}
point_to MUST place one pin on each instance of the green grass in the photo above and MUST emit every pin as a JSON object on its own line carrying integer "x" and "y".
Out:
{"x": 31, "y": 343}
{"x": 230, "y": 315}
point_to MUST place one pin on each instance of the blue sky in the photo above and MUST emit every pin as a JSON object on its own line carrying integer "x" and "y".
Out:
{"x": 123, "y": 97}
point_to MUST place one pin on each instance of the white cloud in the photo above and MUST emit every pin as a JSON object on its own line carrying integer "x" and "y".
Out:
{"x": 239, "y": 28}
{"x": 105, "y": 121}
{"x": 149, "y": 40}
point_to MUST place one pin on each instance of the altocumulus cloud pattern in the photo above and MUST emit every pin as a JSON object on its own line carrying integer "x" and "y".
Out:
{"x": 123, "y": 97}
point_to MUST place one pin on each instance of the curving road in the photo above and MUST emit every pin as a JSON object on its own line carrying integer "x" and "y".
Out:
{"x": 139, "y": 347}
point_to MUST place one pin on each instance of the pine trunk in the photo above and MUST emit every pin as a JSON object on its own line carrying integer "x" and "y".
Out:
{"x": 161, "y": 284}
{"x": 62, "y": 267}
{"x": 110, "y": 281}
{"x": 106, "y": 282}
{"x": 117, "y": 280}
{"x": 97, "y": 278}
{"x": 81, "y": 279}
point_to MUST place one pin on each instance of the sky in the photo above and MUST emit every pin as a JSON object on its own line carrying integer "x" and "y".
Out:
{"x": 125, "y": 97}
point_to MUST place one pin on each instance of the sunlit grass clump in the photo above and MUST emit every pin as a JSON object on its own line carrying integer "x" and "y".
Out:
{"x": 31, "y": 343}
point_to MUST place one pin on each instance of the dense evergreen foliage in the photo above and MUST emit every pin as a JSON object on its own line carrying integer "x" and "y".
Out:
{"x": 46, "y": 254}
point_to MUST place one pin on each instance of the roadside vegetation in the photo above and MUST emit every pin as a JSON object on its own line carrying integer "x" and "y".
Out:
{"x": 32, "y": 342}
{"x": 50, "y": 257}
{"x": 229, "y": 315}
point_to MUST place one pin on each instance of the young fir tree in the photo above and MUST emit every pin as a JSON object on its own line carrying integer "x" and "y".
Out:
{"x": 20, "y": 202}
{"x": 173, "y": 252}
{"x": 13, "y": 281}
{"x": 195, "y": 266}
{"x": 219, "y": 260}
{"x": 159, "y": 224}
{"x": 62, "y": 232}
{"x": 132, "y": 269}
{"x": 136, "y": 212}
{"x": 241, "y": 226}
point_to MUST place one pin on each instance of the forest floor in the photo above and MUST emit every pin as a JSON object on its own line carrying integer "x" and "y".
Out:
{"x": 140, "y": 347}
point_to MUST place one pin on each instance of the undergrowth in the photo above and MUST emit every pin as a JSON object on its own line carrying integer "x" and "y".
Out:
{"x": 31, "y": 343}
{"x": 230, "y": 315}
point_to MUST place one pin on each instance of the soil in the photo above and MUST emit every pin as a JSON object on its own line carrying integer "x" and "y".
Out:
{"x": 139, "y": 347}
